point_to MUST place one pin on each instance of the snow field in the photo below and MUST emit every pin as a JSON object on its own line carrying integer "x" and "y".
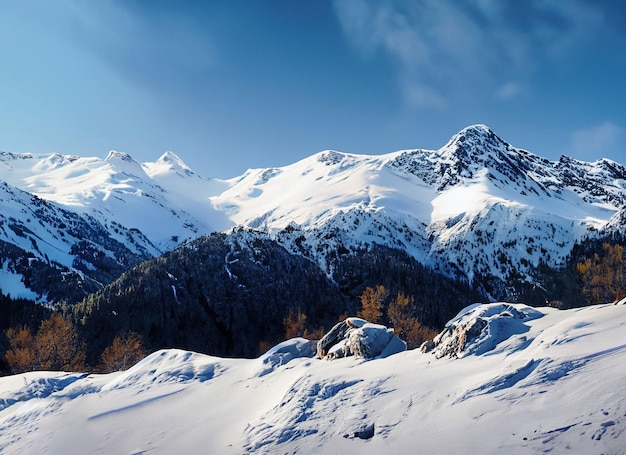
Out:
{"x": 557, "y": 386}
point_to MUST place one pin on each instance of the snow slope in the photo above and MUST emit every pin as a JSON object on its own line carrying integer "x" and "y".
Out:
{"x": 552, "y": 382}
{"x": 151, "y": 197}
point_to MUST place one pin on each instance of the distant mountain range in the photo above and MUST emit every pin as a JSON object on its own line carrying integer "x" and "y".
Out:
{"x": 477, "y": 210}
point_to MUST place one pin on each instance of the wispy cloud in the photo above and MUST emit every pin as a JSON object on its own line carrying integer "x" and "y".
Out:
{"x": 444, "y": 49}
{"x": 511, "y": 90}
{"x": 596, "y": 140}
{"x": 144, "y": 46}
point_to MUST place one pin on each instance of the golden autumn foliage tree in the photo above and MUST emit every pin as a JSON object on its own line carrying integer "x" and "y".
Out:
{"x": 372, "y": 303}
{"x": 59, "y": 346}
{"x": 602, "y": 275}
{"x": 125, "y": 351}
{"x": 406, "y": 326}
{"x": 294, "y": 324}
{"x": 56, "y": 346}
{"x": 21, "y": 357}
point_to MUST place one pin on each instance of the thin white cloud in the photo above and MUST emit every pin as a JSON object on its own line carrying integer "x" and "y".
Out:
{"x": 596, "y": 140}
{"x": 444, "y": 49}
{"x": 422, "y": 95}
{"x": 141, "y": 47}
{"x": 511, "y": 90}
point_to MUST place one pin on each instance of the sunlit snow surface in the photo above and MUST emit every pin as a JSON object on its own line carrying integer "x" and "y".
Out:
{"x": 162, "y": 199}
{"x": 554, "y": 384}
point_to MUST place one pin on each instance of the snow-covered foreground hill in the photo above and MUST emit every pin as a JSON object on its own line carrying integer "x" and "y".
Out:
{"x": 533, "y": 380}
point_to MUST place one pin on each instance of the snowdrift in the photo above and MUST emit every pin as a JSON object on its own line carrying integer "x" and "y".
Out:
{"x": 501, "y": 378}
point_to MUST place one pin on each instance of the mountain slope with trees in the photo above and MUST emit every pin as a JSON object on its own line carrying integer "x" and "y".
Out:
{"x": 230, "y": 295}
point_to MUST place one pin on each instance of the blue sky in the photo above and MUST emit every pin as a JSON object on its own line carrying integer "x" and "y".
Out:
{"x": 231, "y": 85}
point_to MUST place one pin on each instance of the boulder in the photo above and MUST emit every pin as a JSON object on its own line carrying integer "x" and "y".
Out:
{"x": 480, "y": 328}
{"x": 359, "y": 338}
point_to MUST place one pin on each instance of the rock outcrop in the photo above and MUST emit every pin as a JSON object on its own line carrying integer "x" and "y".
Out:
{"x": 480, "y": 328}
{"x": 359, "y": 338}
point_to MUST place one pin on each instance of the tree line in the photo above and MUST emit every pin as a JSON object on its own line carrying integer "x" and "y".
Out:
{"x": 377, "y": 307}
{"x": 56, "y": 345}
{"x": 238, "y": 296}
{"x": 593, "y": 274}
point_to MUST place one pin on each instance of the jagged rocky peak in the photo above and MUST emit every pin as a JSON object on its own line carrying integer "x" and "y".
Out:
{"x": 473, "y": 145}
{"x": 611, "y": 167}
{"x": 124, "y": 163}
{"x": 115, "y": 155}
{"x": 466, "y": 153}
{"x": 58, "y": 159}
{"x": 7, "y": 159}
{"x": 168, "y": 164}
{"x": 330, "y": 157}
{"x": 474, "y": 132}
{"x": 53, "y": 161}
{"x": 172, "y": 159}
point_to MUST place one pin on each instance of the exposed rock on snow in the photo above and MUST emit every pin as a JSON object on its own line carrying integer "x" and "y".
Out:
{"x": 364, "y": 432}
{"x": 359, "y": 338}
{"x": 480, "y": 328}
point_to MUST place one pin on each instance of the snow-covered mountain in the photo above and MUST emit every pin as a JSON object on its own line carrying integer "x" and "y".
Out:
{"x": 477, "y": 206}
{"x": 533, "y": 380}
{"x": 477, "y": 209}
{"x": 91, "y": 219}
{"x": 58, "y": 253}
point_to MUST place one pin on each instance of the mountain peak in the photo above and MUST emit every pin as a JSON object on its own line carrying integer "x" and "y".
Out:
{"x": 330, "y": 157}
{"x": 115, "y": 155}
{"x": 172, "y": 160}
{"x": 469, "y": 152}
{"x": 168, "y": 164}
{"x": 474, "y": 136}
{"x": 477, "y": 129}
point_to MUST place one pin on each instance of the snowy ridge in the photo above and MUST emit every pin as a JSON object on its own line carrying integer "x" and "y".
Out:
{"x": 477, "y": 209}
{"x": 145, "y": 196}
{"x": 544, "y": 381}
{"x": 70, "y": 212}
{"x": 64, "y": 254}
